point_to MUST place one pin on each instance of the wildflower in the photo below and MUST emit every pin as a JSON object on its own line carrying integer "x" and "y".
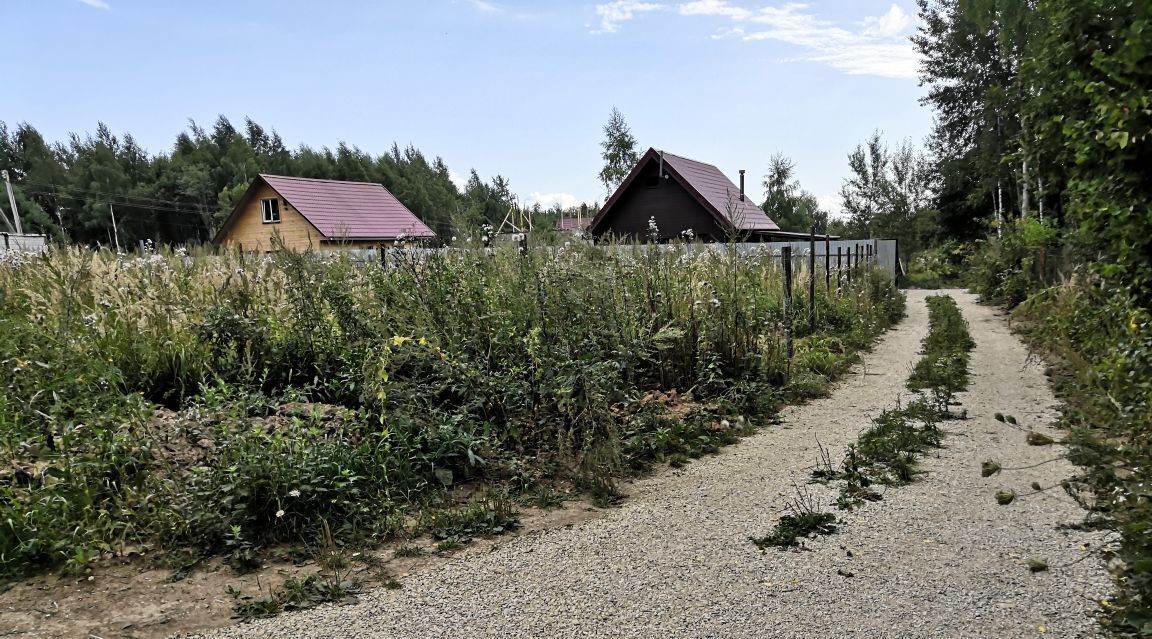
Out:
{"x": 398, "y": 340}
{"x": 279, "y": 514}
{"x": 293, "y": 493}
{"x": 423, "y": 341}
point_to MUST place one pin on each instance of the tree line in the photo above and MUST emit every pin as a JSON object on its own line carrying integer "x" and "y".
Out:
{"x": 1044, "y": 114}
{"x": 71, "y": 190}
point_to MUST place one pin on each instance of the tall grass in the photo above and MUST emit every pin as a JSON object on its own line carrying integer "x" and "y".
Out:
{"x": 224, "y": 402}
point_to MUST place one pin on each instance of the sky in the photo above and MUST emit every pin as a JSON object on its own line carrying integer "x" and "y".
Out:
{"x": 512, "y": 87}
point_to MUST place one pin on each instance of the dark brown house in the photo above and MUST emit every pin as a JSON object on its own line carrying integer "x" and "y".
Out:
{"x": 681, "y": 195}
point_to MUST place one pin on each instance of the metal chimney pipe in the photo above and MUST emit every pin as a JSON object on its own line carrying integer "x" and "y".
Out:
{"x": 741, "y": 185}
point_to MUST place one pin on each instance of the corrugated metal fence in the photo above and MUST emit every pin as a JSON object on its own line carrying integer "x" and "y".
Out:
{"x": 840, "y": 253}
{"x": 14, "y": 242}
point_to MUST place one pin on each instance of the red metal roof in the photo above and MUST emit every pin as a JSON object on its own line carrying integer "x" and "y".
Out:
{"x": 352, "y": 210}
{"x": 720, "y": 193}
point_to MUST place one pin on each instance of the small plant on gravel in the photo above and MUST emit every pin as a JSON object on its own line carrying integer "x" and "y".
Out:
{"x": 1038, "y": 439}
{"x": 989, "y": 468}
{"x": 1005, "y": 497}
{"x": 806, "y": 518}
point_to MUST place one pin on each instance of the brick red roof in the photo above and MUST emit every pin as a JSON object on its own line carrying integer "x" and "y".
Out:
{"x": 352, "y": 210}
{"x": 339, "y": 210}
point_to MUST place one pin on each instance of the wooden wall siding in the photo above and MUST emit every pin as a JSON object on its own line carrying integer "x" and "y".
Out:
{"x": 249, "y": 230}
{"x": 673, "y": 207}
{"x": 354, "y": 245}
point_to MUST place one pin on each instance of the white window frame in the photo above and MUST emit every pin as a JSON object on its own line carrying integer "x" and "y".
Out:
{"x": 270, "y": 210}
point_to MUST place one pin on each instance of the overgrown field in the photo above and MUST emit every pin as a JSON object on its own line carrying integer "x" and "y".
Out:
{"x": 187, "y": 406}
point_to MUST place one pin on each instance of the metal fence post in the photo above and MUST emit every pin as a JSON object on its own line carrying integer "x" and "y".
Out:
{"x": 786, "y": 262}
{"x": 827, "y": 263}
{"x": 839, "y": 268}
{"x": 812, "y": 281}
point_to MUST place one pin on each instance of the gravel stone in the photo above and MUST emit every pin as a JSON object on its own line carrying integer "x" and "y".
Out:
{"x": 937, "y": 558}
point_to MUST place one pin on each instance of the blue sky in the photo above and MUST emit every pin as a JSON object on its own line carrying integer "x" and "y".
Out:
{"x": 512, "y": 87}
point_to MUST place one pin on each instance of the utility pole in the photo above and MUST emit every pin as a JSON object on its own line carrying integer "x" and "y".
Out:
{"x": 115, "y": 233}
{"x": 12, "y": 201}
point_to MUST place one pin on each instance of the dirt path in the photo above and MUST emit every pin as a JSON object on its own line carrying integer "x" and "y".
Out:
{"x": 938, "y": 558}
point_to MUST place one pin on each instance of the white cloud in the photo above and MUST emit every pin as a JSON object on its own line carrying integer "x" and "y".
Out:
{"x": 714, "y": 8}
{"x": 879, "y": 47}
{"x": 486, "y": 7}
{"x": 612, "y": 14}
{"x": 99, "y": 4}
{"x": 831, "y": 202}
{"x": 893, "y": 24}
{"x": 459, "y": 180}
{"x": 548, "y": 200}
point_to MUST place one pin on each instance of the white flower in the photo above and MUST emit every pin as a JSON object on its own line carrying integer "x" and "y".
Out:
{"x": 279, "y": 514}
{"x": 293, "y": 493}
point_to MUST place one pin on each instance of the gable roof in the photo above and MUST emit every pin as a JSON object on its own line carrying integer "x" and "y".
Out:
{"x": 352, "y": 210}
{"x": 707, "y": 184}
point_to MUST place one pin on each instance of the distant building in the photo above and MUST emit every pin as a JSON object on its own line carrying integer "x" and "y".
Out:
{"x": 573, "y": 225}
{"x": 318, "y": 214}
{"x": 681, "y": 195}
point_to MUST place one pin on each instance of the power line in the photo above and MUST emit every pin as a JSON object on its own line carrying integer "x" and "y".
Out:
{"x": 105, "y": 194}
{"x": 135, "y": 205}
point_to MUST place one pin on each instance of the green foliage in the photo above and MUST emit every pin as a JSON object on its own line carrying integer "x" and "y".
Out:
{"x": 943, "y": 368}
{"x": 1028, "y": 258}
{"x": 944, "y": 265}
{"x": 785, "y": 203}
{"x": 1094, "y": 118}
{"x": 619, "y": 151}
{"x": 887, "y": 194}
{"x": 494, "y": 515}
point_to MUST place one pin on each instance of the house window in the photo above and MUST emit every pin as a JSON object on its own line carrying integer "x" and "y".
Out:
{"x": 271, "y": 210}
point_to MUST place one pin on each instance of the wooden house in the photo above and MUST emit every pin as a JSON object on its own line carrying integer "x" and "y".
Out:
{"x": 318, "y": 214}
{"x": 681, "y": 195}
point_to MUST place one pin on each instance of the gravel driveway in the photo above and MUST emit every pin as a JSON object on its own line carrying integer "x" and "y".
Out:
{"x": 938, "y": 558}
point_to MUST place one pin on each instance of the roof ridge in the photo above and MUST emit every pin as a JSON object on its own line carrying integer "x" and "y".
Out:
{"x": 304, "y": 179}
{"x": 676, "y": 155}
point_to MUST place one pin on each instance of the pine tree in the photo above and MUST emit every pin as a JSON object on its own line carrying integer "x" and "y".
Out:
{"x": 619, "y": 151}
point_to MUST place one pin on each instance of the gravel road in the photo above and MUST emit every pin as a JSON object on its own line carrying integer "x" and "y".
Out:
{"x": 938, "y": 558}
